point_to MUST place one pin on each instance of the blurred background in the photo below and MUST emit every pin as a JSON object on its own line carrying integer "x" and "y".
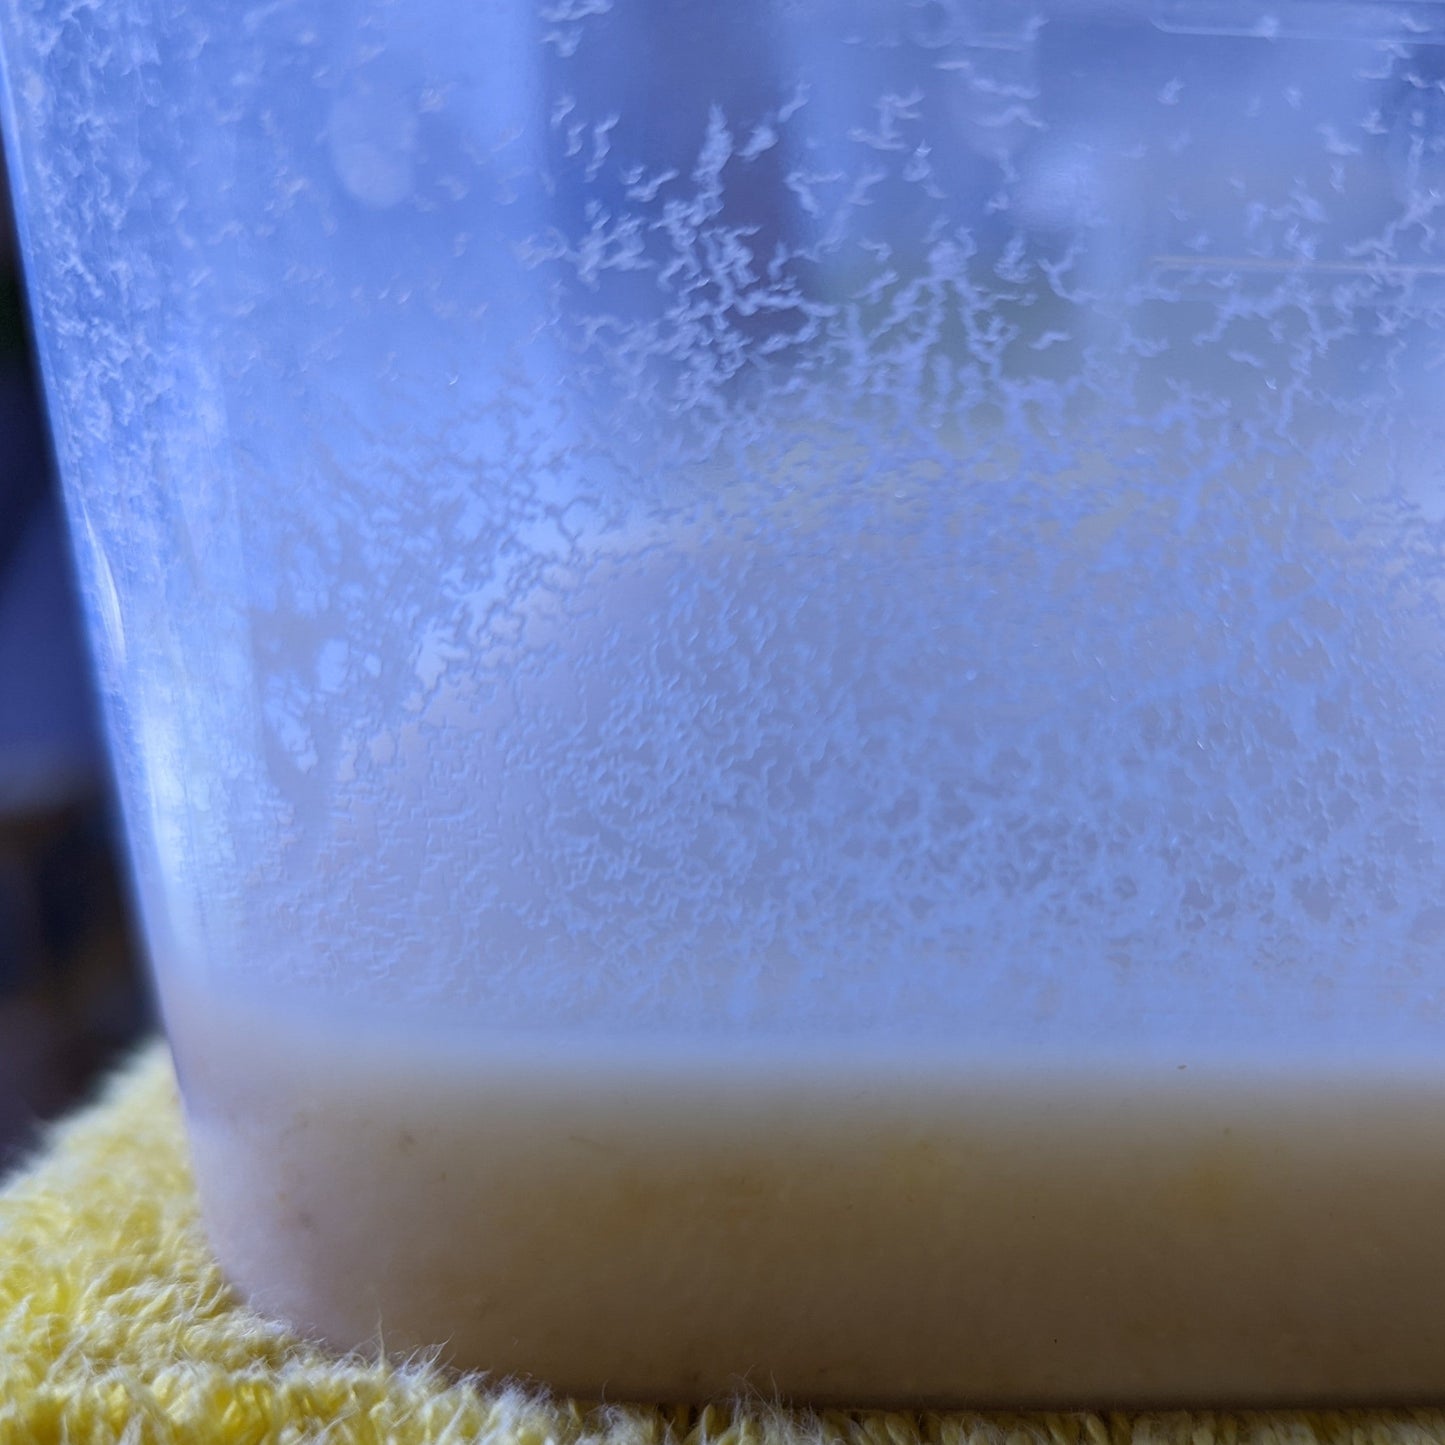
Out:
{"x": 71, "y": 993}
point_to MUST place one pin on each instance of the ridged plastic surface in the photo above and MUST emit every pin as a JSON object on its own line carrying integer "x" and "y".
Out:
{"x": 789, "y": 515}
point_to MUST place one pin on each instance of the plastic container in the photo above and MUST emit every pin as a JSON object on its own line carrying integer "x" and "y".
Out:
{"x": 776, "y": 670}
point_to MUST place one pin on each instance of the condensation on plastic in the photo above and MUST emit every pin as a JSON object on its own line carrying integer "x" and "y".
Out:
{"x": 802, "y": 515}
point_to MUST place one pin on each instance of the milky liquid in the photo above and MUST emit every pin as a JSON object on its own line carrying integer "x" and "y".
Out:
{"x": 862, "y": 973}
{"x": 671, "y": 1217}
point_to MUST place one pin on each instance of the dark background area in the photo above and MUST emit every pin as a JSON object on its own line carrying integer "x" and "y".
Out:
{"x": 71, "y": 996}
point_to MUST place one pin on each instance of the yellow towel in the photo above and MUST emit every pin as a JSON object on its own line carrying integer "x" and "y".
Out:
{"x": 115, "y": 1325}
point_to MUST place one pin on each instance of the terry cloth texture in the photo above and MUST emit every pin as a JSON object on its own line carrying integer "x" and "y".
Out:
{"x": 115, "y": 1325}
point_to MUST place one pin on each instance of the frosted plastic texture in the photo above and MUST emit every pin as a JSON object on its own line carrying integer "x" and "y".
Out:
{"x": 846, "y": 513}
